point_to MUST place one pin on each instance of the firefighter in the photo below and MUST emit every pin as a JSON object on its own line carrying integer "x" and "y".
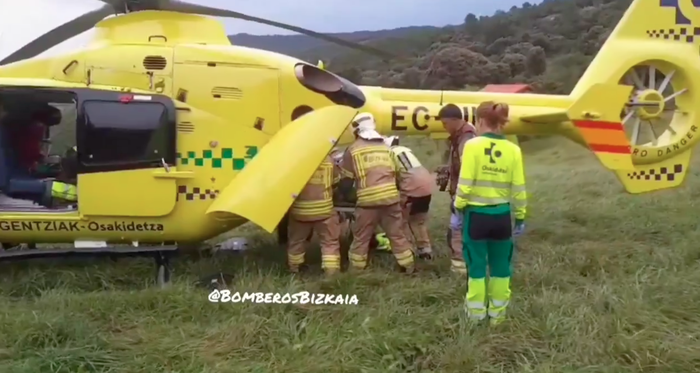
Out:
{"x": 416, "y": 188}
{"x": 313, "y": 211}
{"x": 368, "y": 162}
{"x": 491, "y": 183}
{"x": 283, "y": 226}
{"x": 460, "y": 132}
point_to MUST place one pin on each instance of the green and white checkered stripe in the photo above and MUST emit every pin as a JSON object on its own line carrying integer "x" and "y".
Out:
{"x": 222, "y": 158}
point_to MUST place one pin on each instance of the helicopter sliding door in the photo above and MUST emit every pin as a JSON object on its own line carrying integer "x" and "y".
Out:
{"x": 126, "y": 154}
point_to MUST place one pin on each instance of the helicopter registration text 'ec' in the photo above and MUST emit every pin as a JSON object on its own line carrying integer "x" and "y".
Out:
{"x": 182, "y": 136}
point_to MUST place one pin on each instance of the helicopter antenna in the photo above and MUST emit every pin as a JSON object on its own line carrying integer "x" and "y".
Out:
{"x": 90, "y": 19}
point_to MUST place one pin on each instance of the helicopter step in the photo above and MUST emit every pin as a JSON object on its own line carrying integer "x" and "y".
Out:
{"x": 161, "y": 255}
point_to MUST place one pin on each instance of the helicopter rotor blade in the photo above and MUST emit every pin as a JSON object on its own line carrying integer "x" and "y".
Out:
{"x": 185, "y": 7}
{"x": 59, "y": 35}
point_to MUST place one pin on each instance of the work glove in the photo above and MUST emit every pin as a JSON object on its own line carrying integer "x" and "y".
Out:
{"x": 519, "y": 228}
{"x": 442, "y": 177}
{"x": 456, "y": 220}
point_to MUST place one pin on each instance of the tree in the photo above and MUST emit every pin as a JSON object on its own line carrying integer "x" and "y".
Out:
{"x": 536, "y": 61}
{"x": 541, "y": 40}
{"x": 497, "y": 73}
{"x": 470, "y": 19}
{"x": 413, "y": 77}
{"x": 454, "y": 67}
{"x": 471, "y": 24}
{"x": 519, "y": 48}
{"x": 352, "y": 74}
{"x": 516, "y": 62}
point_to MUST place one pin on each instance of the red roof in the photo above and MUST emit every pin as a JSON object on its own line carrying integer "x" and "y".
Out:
{"x": 507, "y": 88}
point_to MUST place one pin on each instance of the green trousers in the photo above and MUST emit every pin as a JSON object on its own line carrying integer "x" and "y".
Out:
{"x": 487, "y": 249}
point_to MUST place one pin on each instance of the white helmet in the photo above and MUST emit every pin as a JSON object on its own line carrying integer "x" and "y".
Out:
{"x": 366, "y": 127}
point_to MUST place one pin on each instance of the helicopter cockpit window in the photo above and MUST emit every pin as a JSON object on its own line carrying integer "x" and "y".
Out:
{"x": 117, "y": 133}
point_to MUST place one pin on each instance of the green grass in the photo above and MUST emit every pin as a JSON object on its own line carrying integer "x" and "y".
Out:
{"x": 604, "y": 282}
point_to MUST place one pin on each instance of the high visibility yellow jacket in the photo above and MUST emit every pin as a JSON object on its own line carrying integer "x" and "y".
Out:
{"x": 315, "y": 202}
{"x": 492, "y": 174}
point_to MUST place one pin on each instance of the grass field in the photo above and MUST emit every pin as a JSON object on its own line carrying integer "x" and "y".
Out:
{"x": 604, "y": 282}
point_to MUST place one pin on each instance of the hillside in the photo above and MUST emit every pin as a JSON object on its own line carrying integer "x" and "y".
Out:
{"x": 298, "y": 45}
{"x": 548, "y": 45}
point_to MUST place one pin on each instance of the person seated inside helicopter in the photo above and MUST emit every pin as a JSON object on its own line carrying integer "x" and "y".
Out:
{"x": 24, "y": 150}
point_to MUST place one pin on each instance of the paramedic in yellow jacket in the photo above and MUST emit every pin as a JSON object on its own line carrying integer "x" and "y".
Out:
{"x": 368, "y": 162}
{"x": 491, "y": 183}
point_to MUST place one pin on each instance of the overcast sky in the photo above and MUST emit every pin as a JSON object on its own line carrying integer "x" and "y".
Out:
{"x": 355, "y": 15}
{"x": 25, "y": 20}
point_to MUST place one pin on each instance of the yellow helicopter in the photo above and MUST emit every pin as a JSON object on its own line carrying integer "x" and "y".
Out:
{"x": 181, "y": 136}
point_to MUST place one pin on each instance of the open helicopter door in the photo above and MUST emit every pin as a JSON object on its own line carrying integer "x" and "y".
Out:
{"x": 126, "y": 154}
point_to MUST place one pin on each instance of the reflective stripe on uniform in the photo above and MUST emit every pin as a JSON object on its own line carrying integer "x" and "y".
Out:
{"x": 367, "y": 159}
{"x": 476, "y": 310}
{"x": 505, "y": 187}
{"x": 295, "y": 259}
{"x": 475, "y": 200}
{"x": 330, "y": 261}
{"x": 357, "y": 261}
{"x": 492, "y": 184}
{"x": 316, "y": 199}
{"x": 404, "y": 258}
{"x": 312, "y": 208}
{"x": 377, "y": 193}
{"x": 475, "y": 300}
{"x": 404, "y": 158}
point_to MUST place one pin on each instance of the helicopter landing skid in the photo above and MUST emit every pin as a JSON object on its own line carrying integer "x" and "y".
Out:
{"x": 161, "y": 254}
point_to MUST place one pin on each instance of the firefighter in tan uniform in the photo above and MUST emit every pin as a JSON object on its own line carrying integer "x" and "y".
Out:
{"x": 416, "y": 189}
{"x": 313, "y": 211}
{"x": 460, "y": 132}
{"x": 368, "y": 162}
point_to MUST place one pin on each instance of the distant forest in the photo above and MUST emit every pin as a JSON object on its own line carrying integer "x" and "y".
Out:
{"x": 547, "y": 45}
